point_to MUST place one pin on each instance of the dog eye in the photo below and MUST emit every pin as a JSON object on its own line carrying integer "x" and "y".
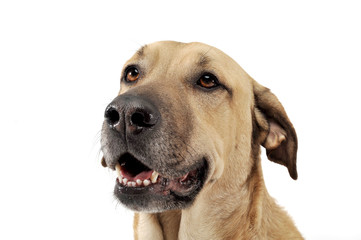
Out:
{"x": 208, "y": 81}
{"x": 131, "y": 74}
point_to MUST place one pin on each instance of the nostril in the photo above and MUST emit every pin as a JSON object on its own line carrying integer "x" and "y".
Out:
{"x": 138, "y": 119}
{"x": 141, "y": 119}
{"x": 112, "y": 116}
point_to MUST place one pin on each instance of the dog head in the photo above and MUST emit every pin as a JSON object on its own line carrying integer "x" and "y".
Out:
{"x": 186, "y": 116}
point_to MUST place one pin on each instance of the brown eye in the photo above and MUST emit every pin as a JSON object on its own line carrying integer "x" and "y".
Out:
{"x": 208, "y": 81}
{"x": 131, "y": 74}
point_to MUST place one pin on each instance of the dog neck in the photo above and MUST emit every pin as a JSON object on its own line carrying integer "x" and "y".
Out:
{"x": 240, "y": 214}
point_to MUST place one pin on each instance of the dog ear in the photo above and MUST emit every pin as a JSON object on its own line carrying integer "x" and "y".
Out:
{"x": 275, "y": 131}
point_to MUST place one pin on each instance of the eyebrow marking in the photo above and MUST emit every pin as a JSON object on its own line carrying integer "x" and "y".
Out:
{"x": 204, "y": 60}
{"x": 140, "y": 51}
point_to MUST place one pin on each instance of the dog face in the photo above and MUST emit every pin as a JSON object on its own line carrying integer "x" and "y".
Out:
{"x": 185, "y": 117}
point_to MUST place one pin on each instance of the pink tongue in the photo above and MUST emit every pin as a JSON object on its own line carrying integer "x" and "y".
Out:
{"x": 141, "y": 176}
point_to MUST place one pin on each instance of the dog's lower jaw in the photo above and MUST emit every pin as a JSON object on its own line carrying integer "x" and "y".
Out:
{"x": 244, "y": 218}
{"x": 163, "y": 194}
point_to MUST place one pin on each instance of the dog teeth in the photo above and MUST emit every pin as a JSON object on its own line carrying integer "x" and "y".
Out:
{"x": 131, "y": 184}
{"x": 125, "y": 181}
{"x": 119, "y": 173}
{"x": 182, "y": 179}
{"x": 154, "y": 177}
{"x": 146, "y": 182}
{"x": 117, "y": 168}
{"x": 137, "y": 182}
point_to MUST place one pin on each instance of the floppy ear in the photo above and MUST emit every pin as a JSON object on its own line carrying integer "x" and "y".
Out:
{"x": 275, "y": 131}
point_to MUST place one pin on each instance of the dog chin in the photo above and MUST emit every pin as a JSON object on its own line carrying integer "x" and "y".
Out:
{"x": 142, "y": 189}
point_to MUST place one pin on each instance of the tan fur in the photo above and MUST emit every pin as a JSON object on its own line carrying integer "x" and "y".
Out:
{"x": 234, "y": 202}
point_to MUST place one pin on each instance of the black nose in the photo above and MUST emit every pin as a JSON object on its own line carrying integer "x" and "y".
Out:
{"x": 132, "y": 115}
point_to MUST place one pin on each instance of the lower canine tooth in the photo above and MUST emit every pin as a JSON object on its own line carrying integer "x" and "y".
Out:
{"x": 184, "y": 177}
{"x": 146, "y": 182}
{"x": 154, "y": 177}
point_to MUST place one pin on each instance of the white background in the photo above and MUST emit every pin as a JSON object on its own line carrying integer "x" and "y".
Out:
{"x": 60, "y": 64}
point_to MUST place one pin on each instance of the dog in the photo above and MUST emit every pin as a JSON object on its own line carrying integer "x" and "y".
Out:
{"x": 184, "y": 135}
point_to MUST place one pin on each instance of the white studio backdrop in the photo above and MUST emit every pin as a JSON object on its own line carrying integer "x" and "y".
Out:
{"x": 60, "y": 64}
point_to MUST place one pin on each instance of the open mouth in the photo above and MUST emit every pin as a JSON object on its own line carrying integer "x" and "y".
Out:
{"x": 135, "y": 178}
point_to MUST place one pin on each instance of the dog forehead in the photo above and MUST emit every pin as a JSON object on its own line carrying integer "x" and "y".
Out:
{"x": 171, "y": 53}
